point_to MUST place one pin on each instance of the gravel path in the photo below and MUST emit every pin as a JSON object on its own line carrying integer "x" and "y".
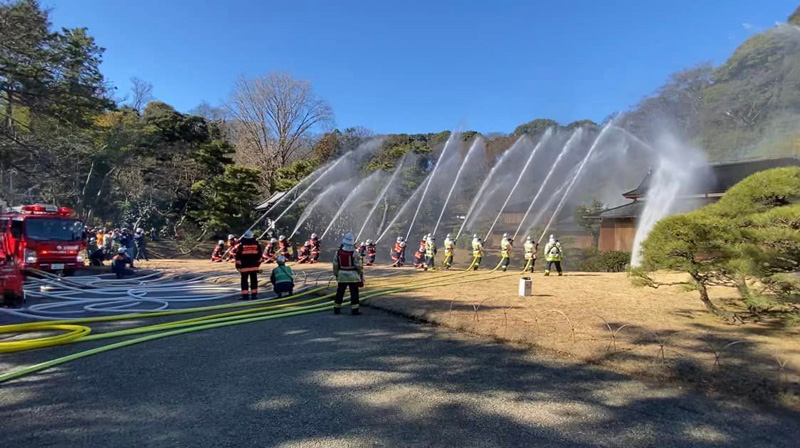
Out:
{"x": 373, "y": 380}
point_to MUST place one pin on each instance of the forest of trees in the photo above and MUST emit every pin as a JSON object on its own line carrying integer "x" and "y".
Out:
{"x": 121, "y": 157}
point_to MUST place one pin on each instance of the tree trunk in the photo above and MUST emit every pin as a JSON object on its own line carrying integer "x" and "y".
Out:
{"x": 701, "y": 288}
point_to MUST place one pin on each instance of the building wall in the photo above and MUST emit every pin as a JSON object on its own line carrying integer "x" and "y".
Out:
{"x": 617, "y": 234}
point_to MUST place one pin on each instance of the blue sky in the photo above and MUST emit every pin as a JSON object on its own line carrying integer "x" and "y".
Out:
{"x": 421, "y": 66}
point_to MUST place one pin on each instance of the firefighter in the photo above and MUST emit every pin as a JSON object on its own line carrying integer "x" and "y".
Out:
{"x": 530, "y": 253}
{"x": 506, "y": 246}
{"x": 283, "y": 247}
{"x": 248, "y": 261}
{"x": 553, "y": 254}
{"x": 269, "y": 251}
{"x": 219, "y": 252}
{"x": 430, "y": 253}
{"x": 96, "y": 254}
{"x": 11, "y": 277}
{"x": 230, "y": 248}
{"x": 361, "y": 249}
{"x": 305, "y": 253}
{"x": 477, "y": 252}
{"x": 419, "y": 255}
{"x": 315, "y": 248}
{"x": 349, "y": 273}
{"x": 140, "y": 243}
{"x": 372, "y": 252}
{"x": 399, "y": 252}
{"x": 449, "y": 251}
{"x": 119, "y": 262}
{"x": 282, "y": 278}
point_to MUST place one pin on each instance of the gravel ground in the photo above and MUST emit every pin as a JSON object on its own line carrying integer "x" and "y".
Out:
{"x": 373, "y": 380}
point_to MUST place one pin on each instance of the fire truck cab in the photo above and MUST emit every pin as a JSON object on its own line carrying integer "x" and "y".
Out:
{"x": 44, "y": 237}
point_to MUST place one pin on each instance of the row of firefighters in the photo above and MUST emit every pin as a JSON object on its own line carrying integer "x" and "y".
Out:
{"x": 424, "y": 257}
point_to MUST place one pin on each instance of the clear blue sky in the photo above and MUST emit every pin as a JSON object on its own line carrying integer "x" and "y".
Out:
{"x": 421, "y": 66}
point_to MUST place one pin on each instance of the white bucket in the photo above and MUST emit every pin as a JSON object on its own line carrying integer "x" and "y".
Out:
{"x": 525, "y": 287}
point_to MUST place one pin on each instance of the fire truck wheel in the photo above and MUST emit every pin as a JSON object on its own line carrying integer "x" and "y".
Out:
{"x": 12, "y": 300}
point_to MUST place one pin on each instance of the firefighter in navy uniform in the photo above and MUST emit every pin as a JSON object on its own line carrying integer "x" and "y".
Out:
{"x": 349, "y": 273}
{"x": 248, "y": 261}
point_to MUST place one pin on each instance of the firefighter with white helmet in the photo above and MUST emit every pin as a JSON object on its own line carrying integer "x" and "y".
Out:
{"x": 349, "y": 273}
{"x": 399, "y": 252}
{"x": 316, "y": 248}
{"x": 430, "y": 252}
{"x": 248, "y": 261}
{"x": 372, "y": 252}
{"x": 270, "y": 251}
{"x": 477, "y": 252}
{"x": 283, "y": 247}
{"x": 219, "y": 252}
{"x": 553, "y": 254}
{"x": 449, "y": 251}
{"x": 530, "y": 253}
{"x": 506, "y": 246}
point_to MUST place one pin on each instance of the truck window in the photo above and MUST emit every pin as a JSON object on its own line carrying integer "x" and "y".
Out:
{"x": 46, "y": 229}
{"x": 16, "y": 229}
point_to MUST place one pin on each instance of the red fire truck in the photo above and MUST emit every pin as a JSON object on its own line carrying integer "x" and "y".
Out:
{"x": 11, "y": 292}
{"x": 44, "y": 237}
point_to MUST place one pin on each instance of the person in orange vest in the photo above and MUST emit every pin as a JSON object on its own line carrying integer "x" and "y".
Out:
{"x": 230, "y": 252}
{"x": 283, "y": 247}
{"x": 219, "y": 251}
{"x": 349, "y": 273}
{"x": 419, "y": 255}
{"x": 305, "y": 253}
{"x": 372, "y": 251}
{"x": 399, "y": 252}
{"x": 269, "y": 251}
{"x": 315, "y": 248}
{"x": 248, "y": 261}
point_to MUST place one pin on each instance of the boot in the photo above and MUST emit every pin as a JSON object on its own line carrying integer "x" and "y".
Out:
{"x": 355, "y": 312}
{"x": 254, "y": 296}
{"x": 546, "y": 273}
{"x": 337, "y": 310}
{"x": 560, "y": 274}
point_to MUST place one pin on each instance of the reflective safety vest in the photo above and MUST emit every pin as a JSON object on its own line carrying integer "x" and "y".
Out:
{"x": 553, "y": 252}
{"x": 505, "y": 248}
{"x": 431, "y": 247}
{"x": 530, "y": 250}
{"x": 398, "y": 249}
{"x": 449, "y": 247}
{"x": 347, "y": 266}
{"x": 282, "y": 274}
{"x": 477, "y": 248}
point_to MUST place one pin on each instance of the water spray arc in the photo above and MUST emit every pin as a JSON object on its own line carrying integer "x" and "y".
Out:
{"x": 310, "y": 207}
{"x": 350, "y": 197}
{"x": 575, "y": 178}
{"x": 403, "y": 208}
{"x": 474, "y": 145}
{"x": 381, "y": 196}
{"x": 483, "y": 186}
{"x": 547, "y": 134}
{"x": 574, "y": 137}
{"x": 450, "y": 142}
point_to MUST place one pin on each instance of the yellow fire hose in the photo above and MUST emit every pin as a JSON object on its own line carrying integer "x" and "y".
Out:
{"x": 214, "y": 321}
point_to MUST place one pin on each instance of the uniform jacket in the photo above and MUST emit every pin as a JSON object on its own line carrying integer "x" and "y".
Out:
{"x": 248, "y": 255}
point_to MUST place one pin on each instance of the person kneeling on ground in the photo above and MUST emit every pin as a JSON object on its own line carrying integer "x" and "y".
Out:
{"x": 219, "y": 252}
{"x": 349, "y": 273}
{"x": 247, "y": 254}
{"x": 282, "y": 278}
{"x": 119, "y": 262}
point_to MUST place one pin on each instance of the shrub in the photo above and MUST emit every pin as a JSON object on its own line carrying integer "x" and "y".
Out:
{"x": 601, "y": 261}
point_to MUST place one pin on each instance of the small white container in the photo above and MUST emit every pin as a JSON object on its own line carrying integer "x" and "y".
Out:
{"x": 525, "y": 287}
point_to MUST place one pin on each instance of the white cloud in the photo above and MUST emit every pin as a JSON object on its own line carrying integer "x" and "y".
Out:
{"x": 748, "y": 26}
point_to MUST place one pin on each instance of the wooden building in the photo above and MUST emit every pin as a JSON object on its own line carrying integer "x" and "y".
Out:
{"x": 618, "y": 224}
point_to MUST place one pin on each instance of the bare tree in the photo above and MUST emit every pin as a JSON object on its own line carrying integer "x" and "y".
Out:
{"x": 141, "y": 92}
{"x": 274, "y": 116}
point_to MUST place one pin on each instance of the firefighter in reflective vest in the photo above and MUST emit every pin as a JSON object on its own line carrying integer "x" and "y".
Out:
{"x": 219, "y": 252}
{"x": 506, "y": 246}
{"x": 399, "y": 252}
{"x": 270, "y": 251}
{"x": 430, "y": 252}
{"x": 304, "y": 255}
{"x": 349, "y": 273}
{"x": 553, "y": 254}
{"x": 477, "y": 252}
{"x": 248, "y": 260}
{"x": 315, "y": 248}
{"x": 449, "y": 251}
{"x": 419, "y": 255}
{"x": 283, "y": 247}
{"x": 530, "y": 253}
{"x": 282, "y": 278}
{"x": 372, "y": 251}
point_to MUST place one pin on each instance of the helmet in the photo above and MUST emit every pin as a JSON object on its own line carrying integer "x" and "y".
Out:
{"x": 402, "y": 244}
{"x": 348, "y": 239}
{"x": 273, "y": 240}
{"x": 221, "y": 242}
{"x": 399, "y": 239}
{"x": 307, "y": 244}
{"x": 281, "y": 238}
{"x": 92, "y": 240}
{"x": 369, "y": 242}
{"x": 475, "y": 235}
{"x": 140, "y": 230}
{"x": 281, "y": 259}
{"x": 122, "y": 250}
{"x": 231, "y": 236}
{"x": 505, "y": 235}
{"x": 428, "y": 235}
{"x": 313, "y": 235}
{"x": 529, "y": 238}
{"x": 448, "y": 236}
{"x": 248, "y": 234}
